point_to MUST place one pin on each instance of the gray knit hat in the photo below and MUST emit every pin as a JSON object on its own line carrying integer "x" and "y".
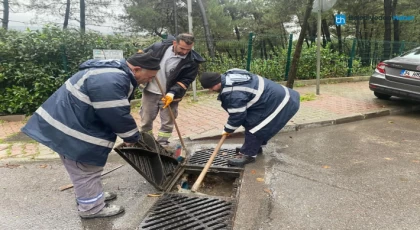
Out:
{"x": 210, "y": 79}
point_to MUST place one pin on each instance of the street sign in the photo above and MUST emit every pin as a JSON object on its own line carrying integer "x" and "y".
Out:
{"x": 324, "y": 5}
{"x": 107, "y": 54}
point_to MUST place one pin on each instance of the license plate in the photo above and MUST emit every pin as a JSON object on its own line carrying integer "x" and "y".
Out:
{"x": 411, "y": 74}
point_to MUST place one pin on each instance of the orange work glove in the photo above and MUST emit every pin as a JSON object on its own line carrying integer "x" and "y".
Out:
{"x": 169, "y": 97}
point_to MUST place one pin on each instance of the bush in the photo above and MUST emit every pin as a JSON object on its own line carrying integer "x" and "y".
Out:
{"x": 33, "y": 64}
{"x": 333, "y": 64}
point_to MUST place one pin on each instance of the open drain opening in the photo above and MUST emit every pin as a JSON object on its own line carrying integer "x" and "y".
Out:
{"x": 214, "y": 184}
{"x": 175, "y": 211}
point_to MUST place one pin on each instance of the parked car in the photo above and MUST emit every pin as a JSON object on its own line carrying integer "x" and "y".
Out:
{"x": 399, "y": 76}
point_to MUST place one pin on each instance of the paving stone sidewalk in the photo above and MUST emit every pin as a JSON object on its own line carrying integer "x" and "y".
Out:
{"x": 337, "y": 103}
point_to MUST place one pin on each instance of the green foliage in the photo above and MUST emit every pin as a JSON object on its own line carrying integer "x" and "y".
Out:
{"x": 333, "y": 64}
{"x": 33, "y": 64}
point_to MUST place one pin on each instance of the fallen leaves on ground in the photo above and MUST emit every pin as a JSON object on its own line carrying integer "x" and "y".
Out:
{"x": 154, "y": 194}
{"x": 259, "y": 179}
{"x": 10, "y": 166}
{"x": 267, "y": 190}
{"x": 43, "y": 166}
{"x": 326, "y": 167}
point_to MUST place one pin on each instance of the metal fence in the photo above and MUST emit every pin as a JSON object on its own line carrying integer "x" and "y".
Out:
{"x": 271, "y": 55}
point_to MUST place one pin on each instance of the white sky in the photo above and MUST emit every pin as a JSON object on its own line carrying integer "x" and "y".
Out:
{"x": 21, "y": 21}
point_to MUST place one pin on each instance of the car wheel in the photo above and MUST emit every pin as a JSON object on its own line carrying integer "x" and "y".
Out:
{"x": 382, "y": 96}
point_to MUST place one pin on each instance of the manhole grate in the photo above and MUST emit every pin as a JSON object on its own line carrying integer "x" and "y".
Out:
{"x": 151, "y": 160}
{"x": 201, "y": 157}
{"x": 174, "y": 211}
{"x": 148, "y": 164}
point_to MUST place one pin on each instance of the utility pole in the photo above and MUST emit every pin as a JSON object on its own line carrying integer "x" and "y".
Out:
{"x": 190, "y": 29}
{"x": 175, "y": 18}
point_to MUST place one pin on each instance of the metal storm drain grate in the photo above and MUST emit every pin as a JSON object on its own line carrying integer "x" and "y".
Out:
{"x": 201, "y": 157}
{"x": 148, "y": 165}
{"x": 174, "y": 211}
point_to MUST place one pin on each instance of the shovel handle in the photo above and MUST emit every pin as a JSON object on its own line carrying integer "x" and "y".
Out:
{"x": 172, "y": 116}
{"x": 208, "y": 164}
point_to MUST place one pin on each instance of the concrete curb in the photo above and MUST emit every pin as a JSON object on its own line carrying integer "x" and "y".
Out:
{"x": 317, "y": 124}
{"x": 12, "y": 118}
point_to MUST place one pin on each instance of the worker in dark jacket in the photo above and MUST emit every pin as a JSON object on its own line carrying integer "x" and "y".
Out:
{"x": 178, "y": 69}
{"x": 261, "y": 106}
{"x": 83, "y": 118}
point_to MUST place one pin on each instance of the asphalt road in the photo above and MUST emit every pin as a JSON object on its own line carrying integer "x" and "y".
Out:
{"x": 360, "y": 175}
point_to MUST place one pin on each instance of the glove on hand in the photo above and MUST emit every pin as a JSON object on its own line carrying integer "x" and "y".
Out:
{"x": 224, "y": 133}
{"x": 169, "y": 97}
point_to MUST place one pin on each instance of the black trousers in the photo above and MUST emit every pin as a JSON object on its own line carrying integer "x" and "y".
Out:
{"x": 251, "y": 144}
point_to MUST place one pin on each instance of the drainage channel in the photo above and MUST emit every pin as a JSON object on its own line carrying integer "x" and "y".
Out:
{"x": 178, "y": 208}
{"x": 176, "y": 211}
{"x": 201, "y": 157}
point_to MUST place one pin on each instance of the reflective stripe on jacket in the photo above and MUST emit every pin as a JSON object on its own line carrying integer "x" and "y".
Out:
{"x": 82, "y": 119}
{"x": 261, "y": 106}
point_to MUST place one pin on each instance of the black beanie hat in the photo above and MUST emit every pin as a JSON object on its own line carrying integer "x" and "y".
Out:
{"x": 210, "y": 79}
{"x": 145, "y": 61}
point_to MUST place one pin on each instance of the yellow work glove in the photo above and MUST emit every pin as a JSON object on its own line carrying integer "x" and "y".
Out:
{"x": 167, "y": 99}
{"x": 224, "y": 133}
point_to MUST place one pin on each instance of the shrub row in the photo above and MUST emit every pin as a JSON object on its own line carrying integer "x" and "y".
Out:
{"x": 33, "y": 64}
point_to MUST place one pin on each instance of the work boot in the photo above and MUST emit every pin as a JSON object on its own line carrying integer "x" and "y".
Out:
{"x": 238, "y": 149}
{"x": 109, "y": 196}
{"x": 107, "y": 211}
{"x": 168, "y": 146}
{"x": 241, "y": 160}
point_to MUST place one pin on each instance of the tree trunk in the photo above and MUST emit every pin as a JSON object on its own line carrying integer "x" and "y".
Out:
{"x": 338, "y": 29}
{"x": 388, "y": 30}
{"x": 5, "y": 14}
{"x": 365, "y": 52}
{"x": 284, "y": 36}
{"x": 326, "y": 31}
{"x": 238, "y": 34}
{"x": 82, "y": 16}
{"x": 312, "y": 32}
{"x": 298, "y": 49}
{"x": 67, "y": 15}
{"x": 206, "y": 29}
{"x": 396, "y": 44}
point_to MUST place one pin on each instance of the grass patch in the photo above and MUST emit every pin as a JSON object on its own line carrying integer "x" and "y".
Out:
{"x": 136, "y": 106}
{"x": 299, "y": 84}
{"x": 308, "y": 97}
{"x": 2, "y": 122}
{"x": 9, "y": 150}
